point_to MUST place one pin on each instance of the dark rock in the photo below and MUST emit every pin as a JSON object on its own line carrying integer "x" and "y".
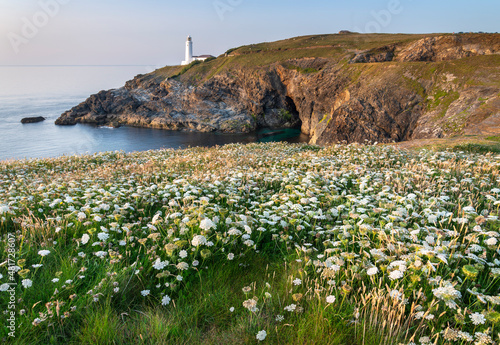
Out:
{"x": 373, "y": 57}
{"x": 33, "y": 119}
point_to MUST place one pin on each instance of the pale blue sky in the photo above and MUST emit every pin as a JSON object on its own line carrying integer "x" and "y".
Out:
{"x": 152, "y": 32}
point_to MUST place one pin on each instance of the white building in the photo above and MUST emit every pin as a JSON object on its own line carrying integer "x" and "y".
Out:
{"x": 189, "y": 53}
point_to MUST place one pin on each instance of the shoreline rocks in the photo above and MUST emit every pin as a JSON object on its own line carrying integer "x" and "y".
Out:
{"x": 34, "y": 119}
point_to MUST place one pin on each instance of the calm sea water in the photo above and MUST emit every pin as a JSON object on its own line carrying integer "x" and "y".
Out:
{"x": 49, "y": 91}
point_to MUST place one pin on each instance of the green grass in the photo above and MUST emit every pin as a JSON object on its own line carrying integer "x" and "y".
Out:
{"x": 463, "y": 143}
{"x": 187, "y": 68}
{"x": 305, "y": 225}
{"x": 286, "y": 115}
{"x": 166, "y": 72}
{"x": 201, "y": 314}
{"x": 416, "y": 87}
{"x": 299, "y": 69}
{"x": 360, "y": 41}
{"x": 442, "y": 100}
{"x": 478, "y": 148}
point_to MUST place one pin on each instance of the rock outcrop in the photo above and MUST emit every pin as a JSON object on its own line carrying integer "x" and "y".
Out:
{"x": 403, "y": 89}
{"x": 34, "y": 119}
{"x": 219, "y": 105}
{"x": 450, "y": 47}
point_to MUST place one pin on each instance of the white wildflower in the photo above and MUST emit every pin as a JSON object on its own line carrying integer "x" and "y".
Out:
{"x": 27, "y": 283}
{"x": 447, "y": 294}
{"x": 182, "y": 266}
{"x": 396, "y": 274}
{"x": 103, "y": 236}
{"x": 261, "y": 335}
{"x": 101, "y": 254}
{"x": 159, "y": 265}
{"x": 330, "y": 299}
{"x": 198, "y": 240}
{"x": 165, "y": 300}
{"x": 477, "y": 319}
{"x": 85, "y": 238}
{"x": 207, "y": 224}
{"x": 492, "y": 241}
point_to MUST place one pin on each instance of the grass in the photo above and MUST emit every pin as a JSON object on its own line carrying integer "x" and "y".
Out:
{"x": 286, "y": 115}
{"x": 478, "y": 148}
{"x": 416, "y": 87}
{"x": 166, "y": 72}
{"x": 187, "y": 68}
{"x": 443, "y": 99}
{"x": 338, "y": 47}
{"x": 335, "y": 48}
{"x": 463, "y": 143}
{"x": 299, "y": 69}
{"x": 354, "y": 40}
{"x": 476, "y": 70}
{"x": 201, "y": 314}
{"x": 339, "y": 245}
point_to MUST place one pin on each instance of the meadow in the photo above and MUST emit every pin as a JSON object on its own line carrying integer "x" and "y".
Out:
{"x": 244, "y": 244}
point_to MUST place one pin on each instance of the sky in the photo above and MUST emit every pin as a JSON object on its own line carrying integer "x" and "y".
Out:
{"x": 153, "y": 32}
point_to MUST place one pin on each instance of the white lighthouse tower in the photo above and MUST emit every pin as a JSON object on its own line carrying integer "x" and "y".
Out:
{"x": 189, "y": 51}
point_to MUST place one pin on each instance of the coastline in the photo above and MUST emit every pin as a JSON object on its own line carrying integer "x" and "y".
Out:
{"x": 337, "y": 88}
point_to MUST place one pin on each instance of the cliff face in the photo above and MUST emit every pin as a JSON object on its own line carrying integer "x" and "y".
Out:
{"x": 336, "y": 87}
{"x": 223, "y": 104}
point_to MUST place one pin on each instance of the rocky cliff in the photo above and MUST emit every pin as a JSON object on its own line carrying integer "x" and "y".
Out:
{"x": 348, "y": 87}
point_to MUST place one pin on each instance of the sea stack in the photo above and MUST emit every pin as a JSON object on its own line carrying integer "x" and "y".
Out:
{"x": 33, "y": 119}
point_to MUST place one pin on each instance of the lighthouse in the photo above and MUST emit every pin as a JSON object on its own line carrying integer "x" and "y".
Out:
{"x": 189, "y": 53}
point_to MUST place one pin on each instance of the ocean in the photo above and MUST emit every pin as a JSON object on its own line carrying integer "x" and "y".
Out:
{"x": 48, "y": 91}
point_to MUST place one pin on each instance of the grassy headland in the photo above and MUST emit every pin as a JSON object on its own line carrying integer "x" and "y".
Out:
{"x": 336, "y": 88}
{"x": 447, "y": 88}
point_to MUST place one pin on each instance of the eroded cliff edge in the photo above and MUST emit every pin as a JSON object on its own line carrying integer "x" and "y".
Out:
{"x": 348, "y": 87}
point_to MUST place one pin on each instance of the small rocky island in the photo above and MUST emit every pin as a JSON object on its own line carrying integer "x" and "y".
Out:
{"x": 348, "y": 87}
{"x": 34, "y": 119}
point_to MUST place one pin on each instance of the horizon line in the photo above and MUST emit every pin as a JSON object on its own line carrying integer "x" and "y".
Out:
{"x": 78, "y": 65}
